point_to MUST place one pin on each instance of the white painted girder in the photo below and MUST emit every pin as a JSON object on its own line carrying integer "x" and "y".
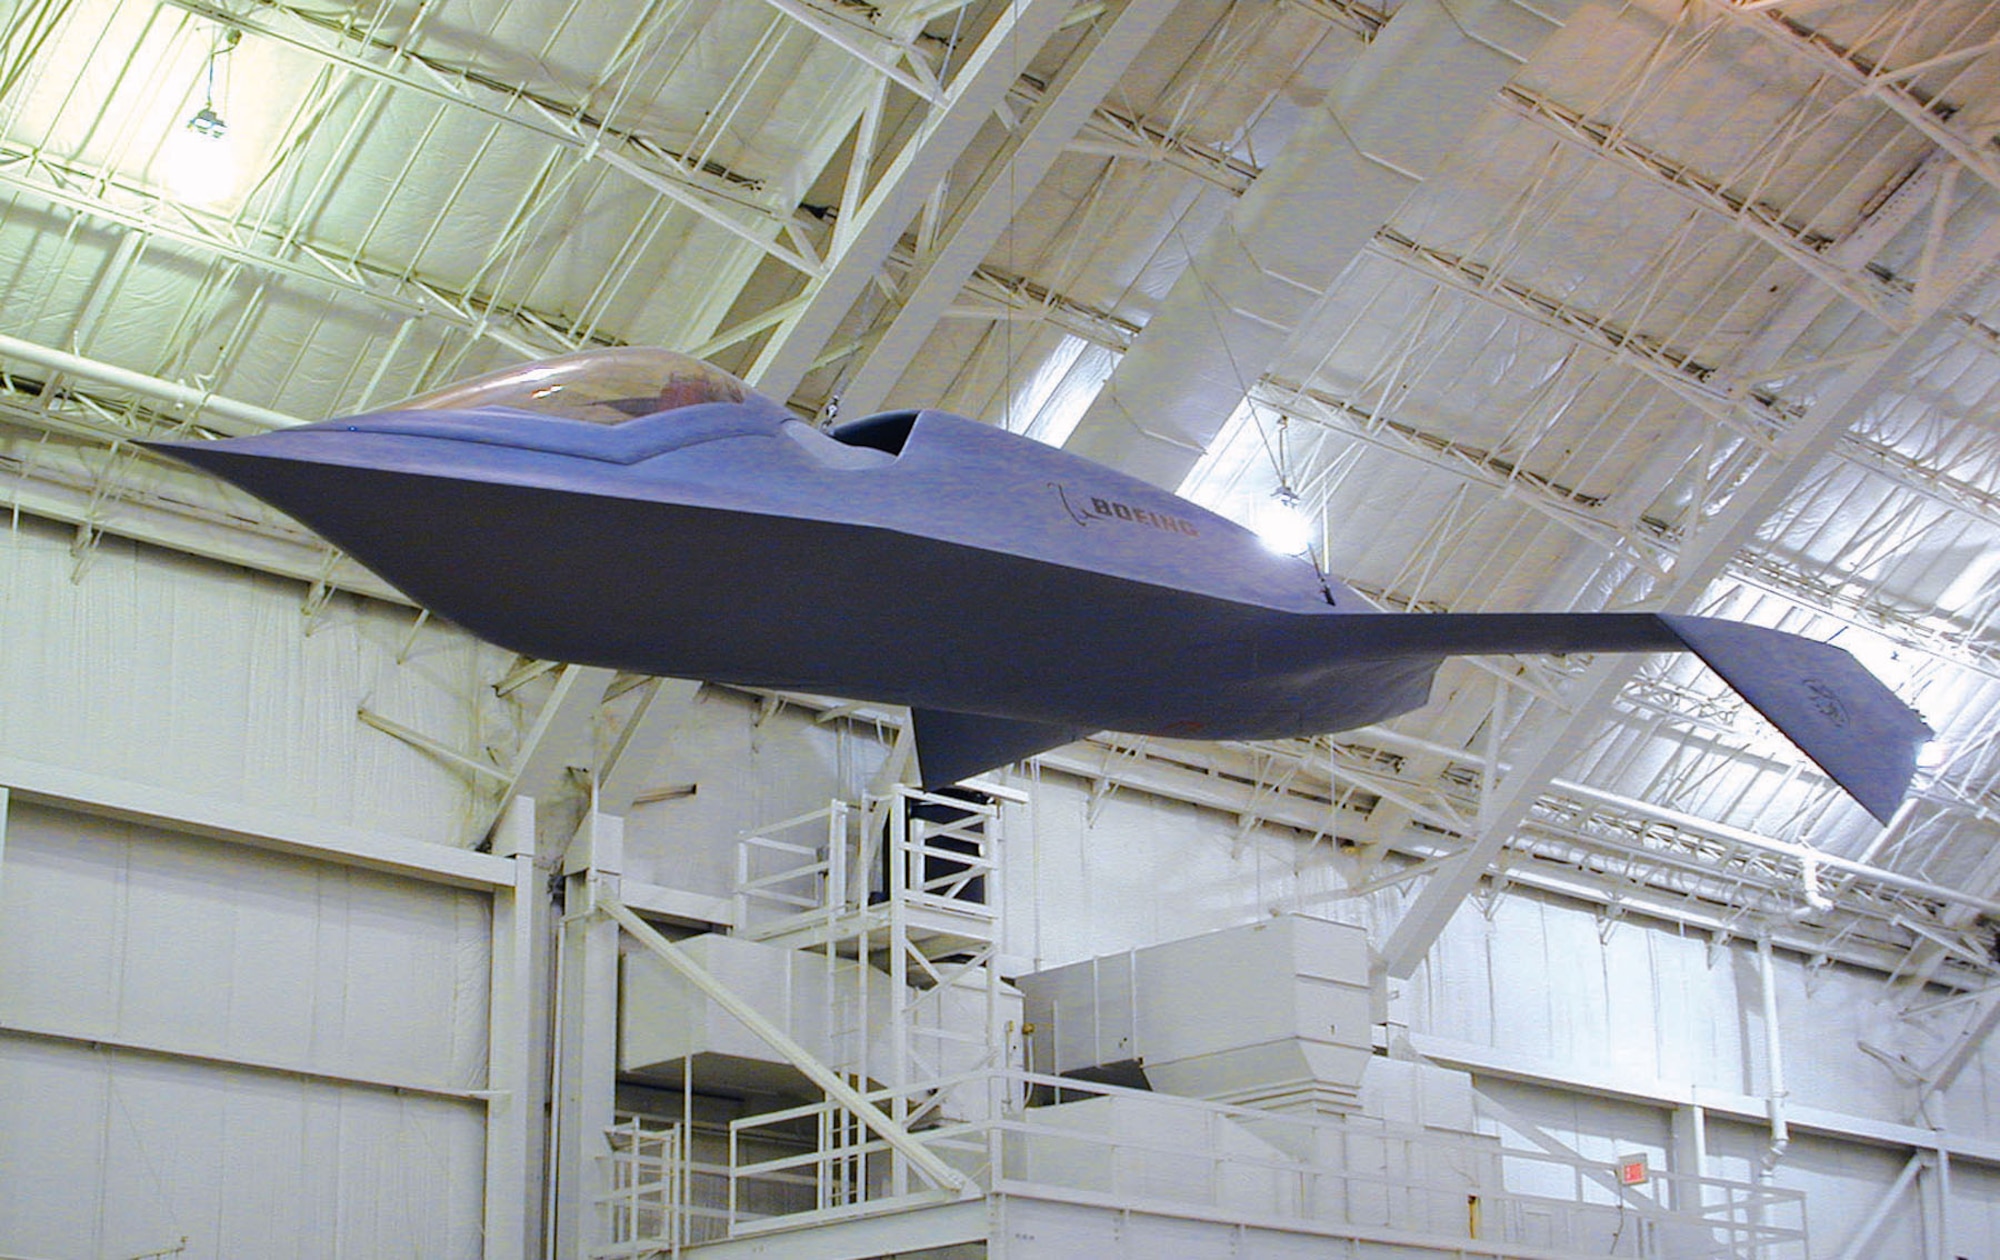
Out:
{"x": 1649, "y": 547}
{"x": 871, "y": 230}
{"x": 560, "y": 737}
{"x": 938, "y": 277}
{"x": 268, "y": 251}
{"x": 1111, "y": 132}
{"x": 988, "y": 294}
{"x": 1641, "y": 548}
{"x": 1727, "y": 401}
{"x": 1704, "y": 555}
{"x": 632, "y": 764}
{"x": 896, "y": 60}
{"x": 199, "y": 406}
{"x": 1934, "y": 120}
{"x": 1745, "y": 214}
{"x": 256, "y": 826}
{"x": 516, "y": 1096}
{"x": 1713, "y": 393}
{"x": 1399, "y": 112}
{"x": 738, "y": 210}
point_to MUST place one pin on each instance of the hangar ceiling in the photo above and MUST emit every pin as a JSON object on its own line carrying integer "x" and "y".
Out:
{"x": 1528, "y": 303}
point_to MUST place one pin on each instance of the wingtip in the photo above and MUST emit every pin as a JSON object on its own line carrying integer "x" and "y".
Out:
{"x": 1823, "y": 700}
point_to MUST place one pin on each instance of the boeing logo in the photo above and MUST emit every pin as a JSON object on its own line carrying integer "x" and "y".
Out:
{"x": 1085, "y": 510}
{"x": 1827, "y": 701}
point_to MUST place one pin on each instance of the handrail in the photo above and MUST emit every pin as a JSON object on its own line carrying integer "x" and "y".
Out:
{"x": 1738, "y": 1211}
{"x": 926, "y": 1160}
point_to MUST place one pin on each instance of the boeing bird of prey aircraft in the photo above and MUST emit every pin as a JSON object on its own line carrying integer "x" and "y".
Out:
{"x": 641, "y": 510}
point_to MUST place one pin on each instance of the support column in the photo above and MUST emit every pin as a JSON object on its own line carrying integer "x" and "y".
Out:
{"x": 1945, "y": 1248}
{"x": 1690, "y": 1154}
{"x": 516, "y": 1088}
{"x": 586, "y": 1036}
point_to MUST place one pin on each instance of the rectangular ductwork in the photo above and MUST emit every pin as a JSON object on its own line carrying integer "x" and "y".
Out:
{"x": 1275, "y": 1014}
{"x": 841, "y": 1012}
{"x": 825, "y": 1004}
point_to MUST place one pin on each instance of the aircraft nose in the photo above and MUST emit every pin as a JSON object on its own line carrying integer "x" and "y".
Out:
{"x": 199, "y": 455}
{"x": 239, "y": 461}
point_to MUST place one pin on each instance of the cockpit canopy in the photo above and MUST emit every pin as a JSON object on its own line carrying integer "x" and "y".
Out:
{"x": 604, "y": 386}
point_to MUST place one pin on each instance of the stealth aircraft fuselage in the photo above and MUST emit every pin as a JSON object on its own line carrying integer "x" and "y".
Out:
{"x": 1013, "y": 595}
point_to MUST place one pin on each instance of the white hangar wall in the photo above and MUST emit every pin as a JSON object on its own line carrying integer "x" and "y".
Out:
{"x": 267, "y": 1050}
{"x": 262, "y": 1052}
{"x": 200, "y": 1040}
{"x": 1545, "y": 979}
{"x": 158, "y": 668}
{"x": 1603, "y": 1036}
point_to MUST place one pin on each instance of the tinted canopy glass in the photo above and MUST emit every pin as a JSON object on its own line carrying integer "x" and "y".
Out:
{"x": 603, "y": 386}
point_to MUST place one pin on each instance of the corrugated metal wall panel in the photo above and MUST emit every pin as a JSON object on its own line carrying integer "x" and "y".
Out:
{"x": 134, "y": 935}
{"x": 110, "y": 1153}
{"x": 161, "y": 669}
{"x": 203, "y": 1040}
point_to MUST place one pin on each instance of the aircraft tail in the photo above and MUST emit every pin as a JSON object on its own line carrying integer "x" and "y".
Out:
{"x": 1822, "y": 699}
{"x": 1816, "y": 694}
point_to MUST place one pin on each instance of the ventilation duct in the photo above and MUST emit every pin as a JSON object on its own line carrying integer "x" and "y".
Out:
{"x": 1277, "y": 1015}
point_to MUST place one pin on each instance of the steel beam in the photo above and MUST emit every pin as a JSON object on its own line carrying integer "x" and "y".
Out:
{"x": 1060, "y": 113}
{"x": 631, "y": 766}
{"x": 1557, "y": 503}
{"x": 1861, "y": 1243}
{"x": 276, "y": 254}
{"x": 1704, "y": 556}
{"x": 738, "y": 209}
{"x": 585, "y": 1067}
{"x": 516, "y": 1006}
{"x": 96, "y": 1041}
{"x": 873, "y": 228}
{"x": 1491, "y": 1061}
{"x": 1884, "y": 85}
{"x": 1396, "y": 116}
{"x": 202, "y": 407}
{"x": 885, "y": 56}
{"x": 1115, "y": 133}
{"x": 1943, "y": 1072}
{"x": 1767, "y": 224}
{"x": 1739, "y": 410}
{"x": 560, "y": 736}
{"x": 252, "y": 825}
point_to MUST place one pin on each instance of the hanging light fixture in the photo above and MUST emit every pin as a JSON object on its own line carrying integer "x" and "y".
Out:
{"x": 207, "y": 123}
{"x": 1283, "y": 524}
{"x": 1280, "y": 520}
{"x": 200, "y": 165}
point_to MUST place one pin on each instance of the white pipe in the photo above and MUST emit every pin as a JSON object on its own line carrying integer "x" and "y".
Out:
{"x": 1944, "y": 1240}
{"x": 1817, "y": 902}
{"x": 1781, "y": 1134}
{"x": 798, "y": 1056}
{"x": 247, "y": 417}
